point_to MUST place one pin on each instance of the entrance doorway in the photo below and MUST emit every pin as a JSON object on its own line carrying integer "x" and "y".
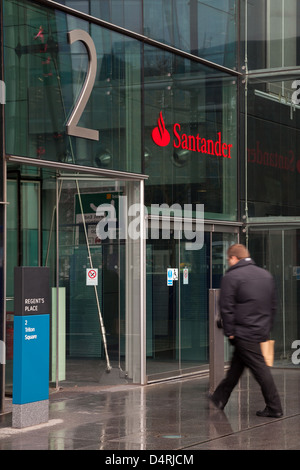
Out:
{"x": 178, "y": 312}
{"x": 92, "y": 278}
{"x": 111, "y": 332}
{"x": 100, "y": 272}
{"x": 77, "y": 225}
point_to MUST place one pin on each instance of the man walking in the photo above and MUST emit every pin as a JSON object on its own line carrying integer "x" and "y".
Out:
{"x": 247, "y": 307}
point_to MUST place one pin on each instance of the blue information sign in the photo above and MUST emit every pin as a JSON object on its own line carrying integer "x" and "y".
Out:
{"x": 31, "y": 335}
{"x": 31, "y": 359}
{"x": 170, "y": 277}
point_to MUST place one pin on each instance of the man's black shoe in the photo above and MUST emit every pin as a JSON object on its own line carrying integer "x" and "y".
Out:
{"x": 216, "y": 403}
{"x": 267, "y": 413}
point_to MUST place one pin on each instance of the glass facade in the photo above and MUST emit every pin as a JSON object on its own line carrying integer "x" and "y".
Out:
{"x": 207, "y": 29}
{"x": 276, "y": 249}
{"x": 198, "y": 106}
{"x": 163, "y": 104}
{"x": 204, "y": 28}
{"x": 270, "y": 197}
{"x": 147, "y": 110}
{"x": 272, "y": 149}
{"x": 47, "y": 75}
{"x": 269, "y": 34}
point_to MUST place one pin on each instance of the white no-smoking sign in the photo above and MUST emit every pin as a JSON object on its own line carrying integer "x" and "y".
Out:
{"x": 92, "y": 277}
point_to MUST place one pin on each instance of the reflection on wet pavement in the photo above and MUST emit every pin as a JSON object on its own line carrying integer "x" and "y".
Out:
{"x": 166, "y": 416}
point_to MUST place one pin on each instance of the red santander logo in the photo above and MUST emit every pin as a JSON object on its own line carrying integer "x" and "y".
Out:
{"x": 160, "y": 135}
{"x": 194, "y": 143}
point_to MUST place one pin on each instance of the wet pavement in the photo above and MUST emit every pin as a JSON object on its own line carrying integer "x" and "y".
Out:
{"x": 170, "y": 416}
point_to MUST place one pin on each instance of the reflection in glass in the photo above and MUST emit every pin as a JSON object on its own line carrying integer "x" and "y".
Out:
{"x": 272, "y": 149}
{"x": 46, "y": 75}
{"x": 277, "y": 249}
{"x": 196, "y": 108}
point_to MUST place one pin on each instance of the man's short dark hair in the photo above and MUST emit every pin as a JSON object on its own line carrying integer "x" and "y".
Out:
{"x": 238, "y": 250}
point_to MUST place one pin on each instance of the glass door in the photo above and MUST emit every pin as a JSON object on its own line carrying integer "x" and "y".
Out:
{"x": 194, "y": 284}
{"x": 276, "y": 248}
{"x": 162, "y": 305}
{"x": 87, "y": 230}
{"x": 178, "y": 311}
{"x": 90, "y": 272}
{"x": 99, "y": 295}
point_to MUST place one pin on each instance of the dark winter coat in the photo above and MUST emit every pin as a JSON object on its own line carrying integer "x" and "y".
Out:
{"x": 247, "y": 301}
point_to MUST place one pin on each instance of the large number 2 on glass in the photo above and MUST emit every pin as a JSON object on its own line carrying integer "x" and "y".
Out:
{"x": 72, "y": 128}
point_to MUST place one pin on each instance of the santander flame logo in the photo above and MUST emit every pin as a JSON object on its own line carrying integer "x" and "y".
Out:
{"x": 194, "y": 143}
{"x": 160, "y": 135}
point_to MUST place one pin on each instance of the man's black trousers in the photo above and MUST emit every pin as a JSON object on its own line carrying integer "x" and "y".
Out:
{"x": 248, "y": 354}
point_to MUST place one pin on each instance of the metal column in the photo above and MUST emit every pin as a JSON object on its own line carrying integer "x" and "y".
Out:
{"x": 216, "y": 342}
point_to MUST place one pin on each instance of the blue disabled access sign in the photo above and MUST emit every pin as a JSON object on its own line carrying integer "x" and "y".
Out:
{"x": 170, "y": 277}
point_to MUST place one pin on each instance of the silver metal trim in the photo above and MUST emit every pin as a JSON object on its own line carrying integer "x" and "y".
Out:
{"x": 216, "y": 342}
{"x": 115, "y": 174}
{"x": 223, "y": 223}
{"x": 143, "y": 288}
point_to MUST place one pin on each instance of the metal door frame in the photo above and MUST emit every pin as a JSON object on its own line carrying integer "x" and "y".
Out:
{"x": 83, "y": 172}
{"x": 211, "y": 227}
